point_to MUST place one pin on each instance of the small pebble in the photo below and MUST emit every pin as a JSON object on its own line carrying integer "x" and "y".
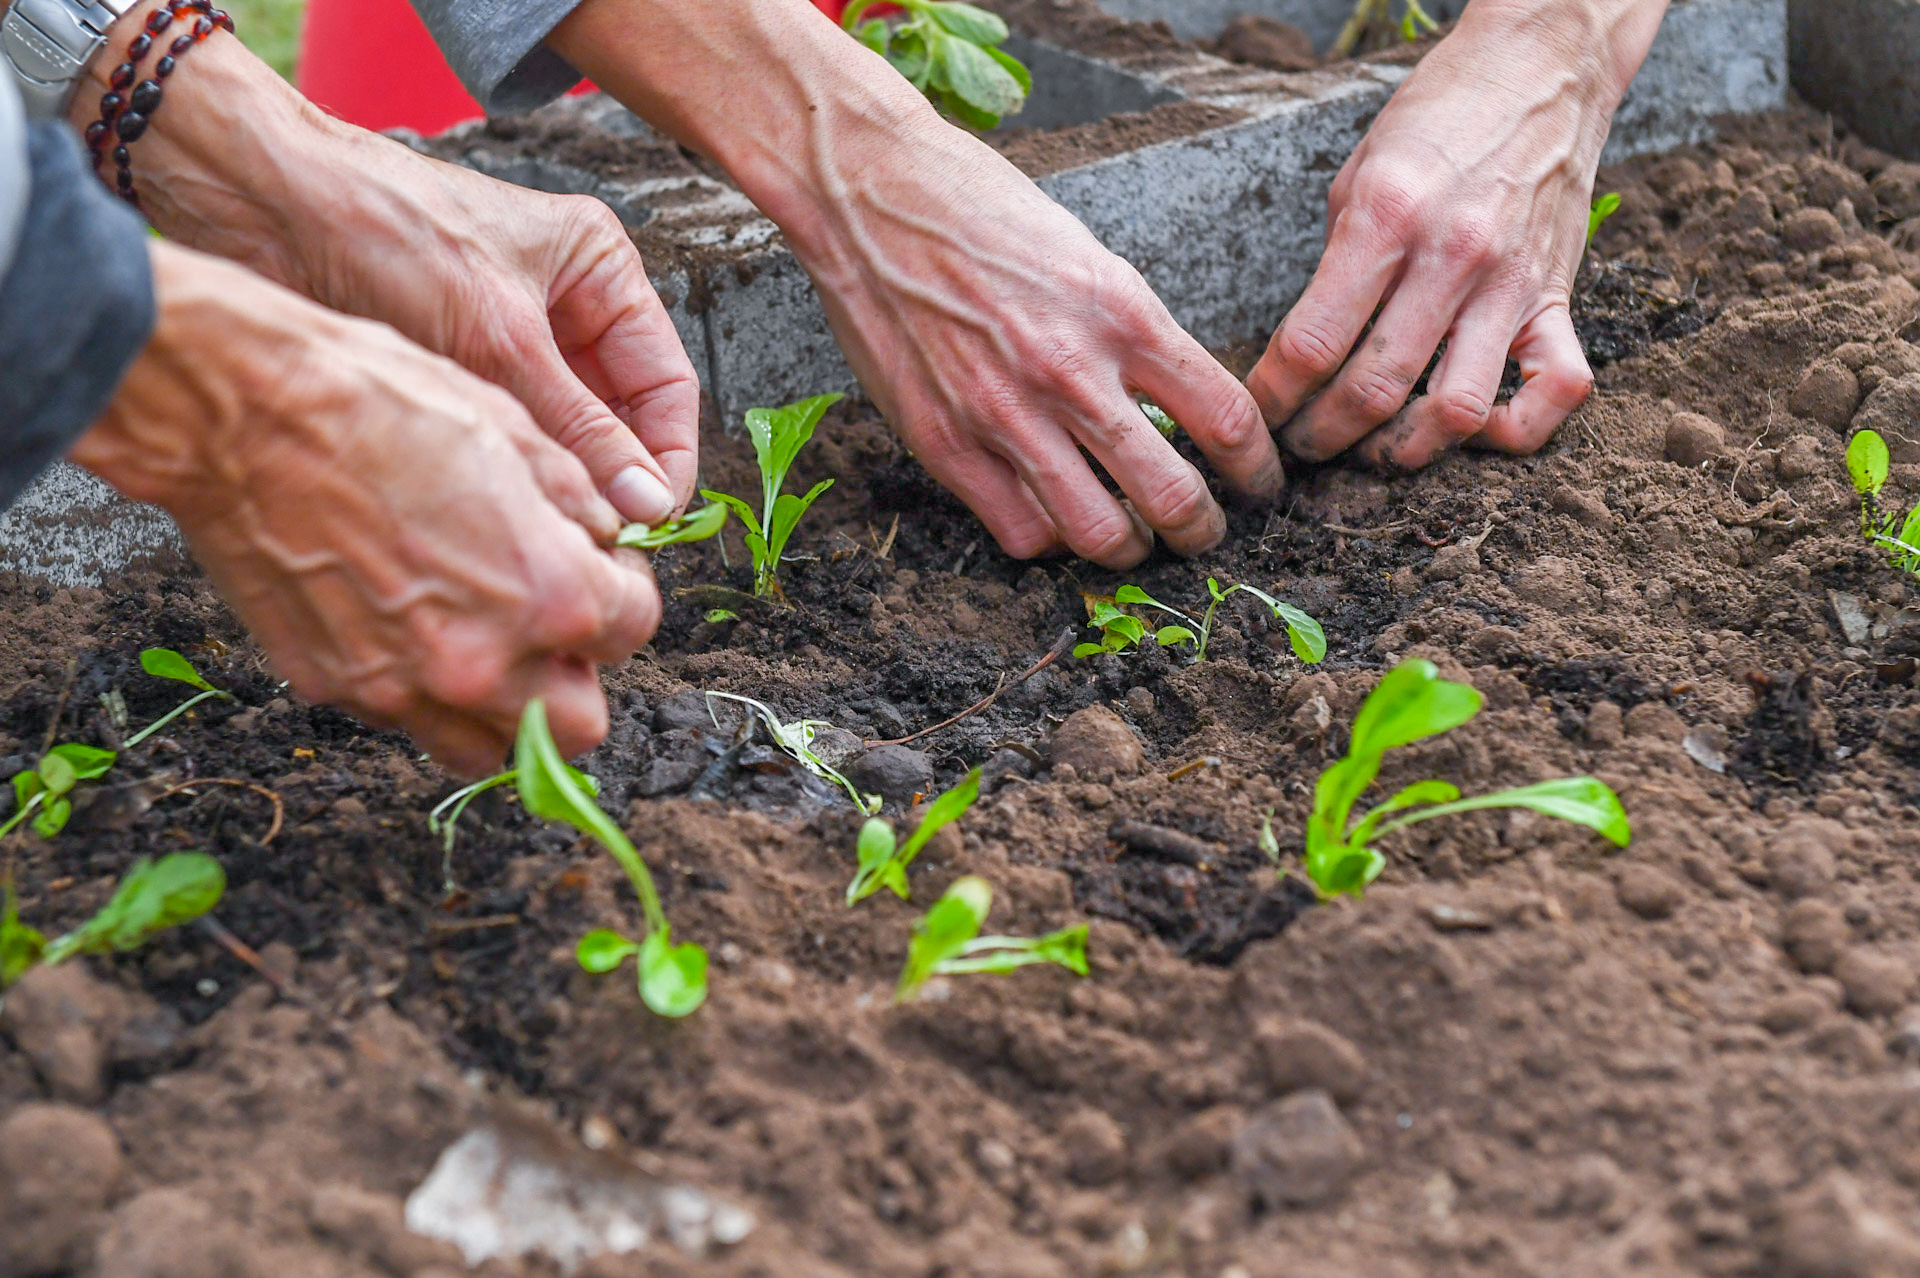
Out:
{"x": 1095, "y": 1147}
{"x": 1297, "y": 1152}
{"x": 1098, "y": 745}
{"x": 1693, "y": 439}
{"x": 1297, "y": 1055}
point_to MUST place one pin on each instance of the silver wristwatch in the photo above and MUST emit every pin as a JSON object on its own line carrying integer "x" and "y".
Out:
{"x": 45, "y": 45}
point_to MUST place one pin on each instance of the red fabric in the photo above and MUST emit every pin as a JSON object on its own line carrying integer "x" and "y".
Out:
{"x": 372, "y": 63}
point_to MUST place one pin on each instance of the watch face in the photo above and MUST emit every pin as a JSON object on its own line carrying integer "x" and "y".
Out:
{"x": 45, "y": 45}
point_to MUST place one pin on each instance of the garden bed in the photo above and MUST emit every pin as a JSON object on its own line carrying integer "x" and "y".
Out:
{"x": 1522, "y": 1053}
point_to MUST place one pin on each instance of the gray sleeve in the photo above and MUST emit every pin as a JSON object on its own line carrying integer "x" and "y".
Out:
{"x": 76, "y": 307}
{"x": 495, "y": 47}
{"x": 13, "y": 171}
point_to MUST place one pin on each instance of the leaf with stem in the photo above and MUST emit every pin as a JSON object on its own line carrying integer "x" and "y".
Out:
{"x": 165, "y": 663}
{"x": 949, "y": 51}
{"x": 152, "y": 896}
{"x": 882, "y": 865}
{"x": 778, "y": 435}
{"x": 697, "y": 525}
{"x": 672, "y": 978}
{"x": 1603, "y": 208}
{"x": 797, "y": 740}
{"x": 21, "y": 947}
{"x": 947, "y": 942}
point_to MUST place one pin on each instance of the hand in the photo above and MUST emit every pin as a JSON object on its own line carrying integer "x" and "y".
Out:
{"x": 991, "y": 328}
{"x": 399, "y": 535}
{"x": 544, "y": 295}
{"x": 1461, "y": 219}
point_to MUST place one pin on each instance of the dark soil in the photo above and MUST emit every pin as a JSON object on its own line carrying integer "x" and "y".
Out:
{"x": 1691, "y": 1057}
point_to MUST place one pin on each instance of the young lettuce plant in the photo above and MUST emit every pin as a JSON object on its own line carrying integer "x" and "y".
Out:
{"x": 673, "y": 978}
{"x": 1308, "y": 639}
{"x": 153, "y": 896}
{"x": 44, "y": 792}
{"x": 1411, "y": 703}
{"x": 951, "y": 52}
{"x": 778, "y": 435}
{"x": 947, "y": 942}
{"x": 165, "y": 663}
{"x": 445, "y": 817}
{"x": 1603, "y": 208}
{"x": 796, "y": 739}
{"x": 1868, "y": 464}
{"x": 883, "y": 864}
{"x": 696, "y": 525}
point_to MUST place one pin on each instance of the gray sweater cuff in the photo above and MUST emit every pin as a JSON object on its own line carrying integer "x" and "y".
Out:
{"x": 15, "y": 180}
{"x": 495, "y": 48}
{"x": 76, "y": 308}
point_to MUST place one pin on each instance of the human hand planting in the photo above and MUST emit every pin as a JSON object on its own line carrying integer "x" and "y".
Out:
{"x": 996, "y": 334}
{"x": 400, "y": 536}
{"x": 1461, "y": 219}
{"x": 544, "y": 295}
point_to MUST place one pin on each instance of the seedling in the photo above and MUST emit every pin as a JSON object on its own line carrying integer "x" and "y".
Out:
{"x": 947, "y": 942}
{"x": 1603, "y": 208}
{"x": 673, "y": 978}
{"x": 698, "y": 525}
{"x": 1269, "y": 842}
{"x": 1868, "y": 464}
{"x": 1414, "y": 20}
{"x": 45, "y": 791}
{"x": 153, "y": 896}
{"x": 1120, "y": 630}
{"x": 1161, "y": 422}
{"x": 445, "y": 817}
{"x": 1411, "y": 703}
{"x": 951, "y": 52}
{"x": 797, "y": 740}
{"x": 882, "y": 864}
{"x": 165, "y": 663}
{"x": 778, "y": 435}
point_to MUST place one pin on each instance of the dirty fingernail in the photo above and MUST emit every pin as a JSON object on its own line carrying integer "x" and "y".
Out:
{"x": 640, "y": 496}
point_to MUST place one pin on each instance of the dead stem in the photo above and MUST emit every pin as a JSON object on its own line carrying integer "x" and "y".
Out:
{"x": 1059, "y": 649}
{"x": 279, "y": 808}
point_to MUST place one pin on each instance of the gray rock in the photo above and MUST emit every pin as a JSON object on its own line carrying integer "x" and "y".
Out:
{"x": 1098, "y": 745}
{"x": 1297, "y": 1152}
{"x": 836, "y": 746}
{"x": 683, "y": 710}
{"x": 59, "y": 1167}
{"x": 892, "y": 772}
{"x": 666, "y": 776}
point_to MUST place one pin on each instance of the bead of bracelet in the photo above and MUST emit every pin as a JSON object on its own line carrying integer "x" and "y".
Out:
{"x": 126, "y": 110}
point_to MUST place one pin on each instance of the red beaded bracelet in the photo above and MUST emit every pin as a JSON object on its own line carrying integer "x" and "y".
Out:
{"x": 127, "y": 108}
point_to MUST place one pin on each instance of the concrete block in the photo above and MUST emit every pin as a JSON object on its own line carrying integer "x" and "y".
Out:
{"x": 1860, "y": 59}
{"x": 69, "y": 529}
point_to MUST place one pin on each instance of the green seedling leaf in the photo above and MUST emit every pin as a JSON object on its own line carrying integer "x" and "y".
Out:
{"x": 53, "y": 816}
{"x": 948, "y": 50}
{"x": 603, "y": 950}
{"x": 778, "y": 435}
{"x": 1868, "y": 462}
{"x": 738, "y": 507}
{"x": 673, "y": 978}
{"x": 953, "y": 921}
{"x": 971, "y": 23}
{"x": 1411, "y": 703}
{"x": 1269, "y": 843}
{"x": 698, "y": 525}
{"x": 797, "y": 740}
{"x": 21, "y": 947}
{"x": 890, "y": 870}
{"x": 1161, "y": 422}
{"x": 57, "y": 773}
{"x": 88, "y": 763}
{"x": 1118, "y": 630}
{"x": 1603, "y": 208}
{"x": 975, "y": 77}
{"x": 720, "y": 616}
{"x": 873, "y": 33}
{"x": 1169, "y": 636}
{"x": 152, "y": 896}
{"x": 1308, "y": 640}
{"x": 165, "y": 663}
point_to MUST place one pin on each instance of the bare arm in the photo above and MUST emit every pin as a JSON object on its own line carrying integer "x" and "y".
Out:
{"x": 996, "y": 334}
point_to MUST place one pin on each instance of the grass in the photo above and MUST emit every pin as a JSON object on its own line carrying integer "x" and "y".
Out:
{"x": 271, "y": 28}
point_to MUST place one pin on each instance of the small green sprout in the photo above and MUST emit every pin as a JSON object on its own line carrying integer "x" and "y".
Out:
{"x": 882, "y": 864}
{"x": 445, "y": 817}
{"x": 1161, "y": 422}
{"x": 1411, "y": 703}
{"x": 673, "y": 978}
{"x": 797, "y": 740}
{"x": 1414, "y": 19}
{"x": 697, "y": 525}
{"x": 1269, "y": 842}
{"x": 165, "y": 663}
{"x": 720, "y": 616}
{"x": 153, "y": 896}
{"x": 45, "y": 792}
{"x": 1603, "y": 208}
{"x": 778, "y": 435}
{"x": 1308, "y": 639}
{"x": 951, "y": 52}
{"x": 1869, "y": 462}
{"x": 947, "y": 942}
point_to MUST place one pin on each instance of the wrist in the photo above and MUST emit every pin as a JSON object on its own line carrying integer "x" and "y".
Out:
{"x": 1598, "y": 44}
{"x": 233, "y": 157}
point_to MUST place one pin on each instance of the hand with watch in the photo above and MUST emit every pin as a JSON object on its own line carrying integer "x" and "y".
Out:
{"x": 403, "y": 538}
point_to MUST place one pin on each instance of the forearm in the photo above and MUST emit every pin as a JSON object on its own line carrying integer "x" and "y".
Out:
{"x": 791, "y": 107}
{"x": 1600, "y": 44}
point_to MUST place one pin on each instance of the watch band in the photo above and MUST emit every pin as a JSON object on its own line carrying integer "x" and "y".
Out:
{"x": 46, "y": 45}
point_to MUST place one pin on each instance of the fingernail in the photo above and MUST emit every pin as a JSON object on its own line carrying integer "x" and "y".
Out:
{"x": 639, "y": 495}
